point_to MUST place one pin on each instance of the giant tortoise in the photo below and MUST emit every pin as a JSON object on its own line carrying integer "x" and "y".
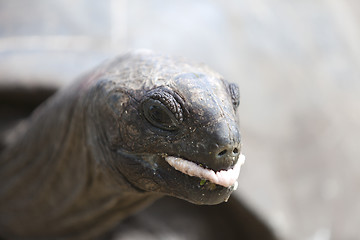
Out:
{"x": 91, "y": 156}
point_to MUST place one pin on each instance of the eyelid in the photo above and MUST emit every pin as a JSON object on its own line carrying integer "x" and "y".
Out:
{"x": 169, "y": 101}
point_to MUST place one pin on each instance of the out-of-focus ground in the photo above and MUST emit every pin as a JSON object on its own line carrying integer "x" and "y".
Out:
{"x": 297, "y": 64}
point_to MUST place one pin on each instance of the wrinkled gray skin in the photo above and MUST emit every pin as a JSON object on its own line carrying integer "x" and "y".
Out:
{"x": 90, "y": 156}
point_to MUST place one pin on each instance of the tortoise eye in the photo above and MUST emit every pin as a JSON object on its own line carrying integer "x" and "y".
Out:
{"x": 235, "y": 95}
{"x": 159, "y": 115}
{"x": 161, "y": 109}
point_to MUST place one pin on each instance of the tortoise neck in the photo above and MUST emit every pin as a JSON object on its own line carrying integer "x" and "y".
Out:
{"x": 49, "y": 171}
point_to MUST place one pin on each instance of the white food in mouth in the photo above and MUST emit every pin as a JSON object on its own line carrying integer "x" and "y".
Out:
{"x": 225, "y": 178}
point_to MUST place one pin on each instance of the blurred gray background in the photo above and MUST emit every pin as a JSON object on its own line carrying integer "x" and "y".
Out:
{"x": 297, "y": 64}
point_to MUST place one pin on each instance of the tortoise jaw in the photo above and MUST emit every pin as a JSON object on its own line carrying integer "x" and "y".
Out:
{"x": 225, "y": 178}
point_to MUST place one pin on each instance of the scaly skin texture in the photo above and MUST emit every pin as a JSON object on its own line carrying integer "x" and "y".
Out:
{"x": 94, "y": 153}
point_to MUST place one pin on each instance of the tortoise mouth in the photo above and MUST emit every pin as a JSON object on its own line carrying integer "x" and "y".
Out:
{"x": 177, "y": 177}
{"x": 225, "y": 178}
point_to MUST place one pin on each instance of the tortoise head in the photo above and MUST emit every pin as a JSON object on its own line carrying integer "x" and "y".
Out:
{"x": 167, "y": 127}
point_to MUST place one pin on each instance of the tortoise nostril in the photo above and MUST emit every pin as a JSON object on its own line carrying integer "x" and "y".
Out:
{"x": 228, "y": 152}
{"x": 236, "y": 150}
{"x": 223, "y": 152}
{"x": 224, "y": 157}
